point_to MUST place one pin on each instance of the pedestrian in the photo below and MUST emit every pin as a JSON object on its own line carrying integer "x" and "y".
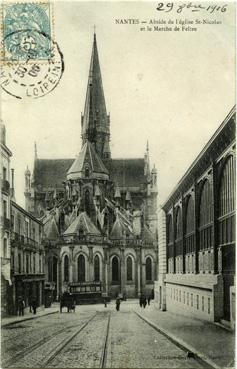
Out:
{"x": 105, "y": 303}
{"x": 34, "y": 305}
{"x": 117, "y": 303}
{"x": 140, "y": 301}
{"x": 149, "y": 299}
{"x": 21, "y": 306}
{"x": 30, "y": 303}
{"x": 144, "y": 302}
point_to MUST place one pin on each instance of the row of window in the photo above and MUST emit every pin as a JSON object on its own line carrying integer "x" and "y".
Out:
{"x": 27, "y": 263}
{"x": 225, "y": 207}
{"x": 23, "y": 227}
{"x": 115, "y": 268}
{"x": 191, "y": 299}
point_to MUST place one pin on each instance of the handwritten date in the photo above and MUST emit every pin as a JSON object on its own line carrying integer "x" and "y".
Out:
{"x": 168, "y": 7}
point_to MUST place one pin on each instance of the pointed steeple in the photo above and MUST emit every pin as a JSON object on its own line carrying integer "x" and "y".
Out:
{"x": 95, "y": 121}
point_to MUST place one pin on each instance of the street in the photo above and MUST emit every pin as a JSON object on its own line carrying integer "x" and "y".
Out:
{"x": 93, "y": 336}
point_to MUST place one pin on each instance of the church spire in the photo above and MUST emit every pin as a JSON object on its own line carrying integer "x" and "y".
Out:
{"x": 95, "y": 121}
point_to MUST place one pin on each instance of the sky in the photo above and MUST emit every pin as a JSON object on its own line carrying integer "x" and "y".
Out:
{"x": 173, "y": 89}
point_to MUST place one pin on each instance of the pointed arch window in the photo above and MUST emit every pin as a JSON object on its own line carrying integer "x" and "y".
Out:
{"x": 226, "y": 203}
{"x": 206, "y": 216}
{"x": 129, "y": 269}
{"x": 97, "y": 268}
{"x": 81, "y": 268}
{"x": 148, "y": 269}
{"x": 66, "y": 269}
{"x": 115, "y": 269}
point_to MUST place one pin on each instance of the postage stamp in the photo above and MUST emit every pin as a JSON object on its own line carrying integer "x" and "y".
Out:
{"x": 26, "y": 29}
{"x": 31, "y": 61}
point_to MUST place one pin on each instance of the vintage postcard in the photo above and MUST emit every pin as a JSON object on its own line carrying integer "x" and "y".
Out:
{"x": 117, "y": 184}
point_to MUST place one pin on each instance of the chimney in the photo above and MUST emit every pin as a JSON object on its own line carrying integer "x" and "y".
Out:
{"x": 12, "y": 187}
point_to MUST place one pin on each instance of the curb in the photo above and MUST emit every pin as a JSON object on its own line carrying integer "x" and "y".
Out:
{"x": 30, "y": 318}
{"x": 181, "y": 344}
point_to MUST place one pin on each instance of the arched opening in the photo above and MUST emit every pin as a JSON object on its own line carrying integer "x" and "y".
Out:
{"x": 148, "y": 269}
{"x": 226, "y": 203}
{"x": 178, "y": 264}
{"x": 115, "y": 269}
{"x": 170, "y": 250}
{"x": 66, "y": 268}
{"x": 129, "y": 269}
{"x": 97, "y": 268}
{"x": 205, "y": 217}
{"x": 189, "y": 236}
{"x": 226, "y": 229}
{"x": 81, "y": 268}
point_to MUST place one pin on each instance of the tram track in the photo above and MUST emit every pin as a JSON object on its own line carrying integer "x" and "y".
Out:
{"x": 58, "y": 350}
{"x": 105, "y": 345}
{"x": 28, "y": 350}
{"x": 65, "y": 342}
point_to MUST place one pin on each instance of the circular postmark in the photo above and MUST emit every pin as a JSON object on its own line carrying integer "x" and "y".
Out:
{"x": 34, "y": 65}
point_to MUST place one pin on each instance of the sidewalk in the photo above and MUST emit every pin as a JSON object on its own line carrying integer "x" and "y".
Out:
{"x": 28, "y": 316}
{"x": 215, "y": 345}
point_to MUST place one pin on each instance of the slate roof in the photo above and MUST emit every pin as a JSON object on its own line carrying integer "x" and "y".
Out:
{"x": 119, "y": 229}
{"x": 51, "y": 172}
{"x": 50, "y": 229}
{"x": 124, "y": 172}
{"x": 127, "y": 172}
{"x": 82, "y": 220}
{"x": 89, "y": 156}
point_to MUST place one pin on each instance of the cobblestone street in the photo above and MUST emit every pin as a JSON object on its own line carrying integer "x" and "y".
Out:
{"x": 94, "y": 336}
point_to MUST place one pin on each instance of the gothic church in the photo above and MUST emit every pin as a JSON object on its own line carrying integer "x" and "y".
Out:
{"x": 99, "y": 213}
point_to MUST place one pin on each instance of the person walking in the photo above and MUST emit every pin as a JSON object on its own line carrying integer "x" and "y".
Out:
{"x": 144, "y": 302}
{"x": 21, "y": 306}
{"x": 149, "y": 299}
{"x": 105, "y": 303}
{"x": 34, "y": 305}
{"x": 140, "y": 301}
{"x": 30, "y": 303}
{"x": 117, "y": 303}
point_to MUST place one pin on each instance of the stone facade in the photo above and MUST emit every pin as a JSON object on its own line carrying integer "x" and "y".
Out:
{"x": 99, "y": 213}
{"x": 197, "y": 239}
{"x": 5, "y": 221}
{"x": 27, "y": 258}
